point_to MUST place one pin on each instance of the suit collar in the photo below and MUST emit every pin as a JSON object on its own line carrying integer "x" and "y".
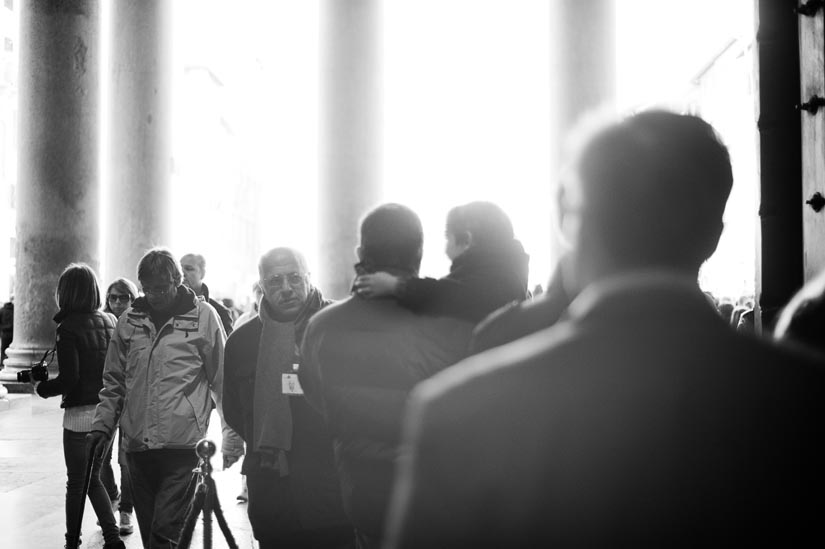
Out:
{"x": 645, "y": 292}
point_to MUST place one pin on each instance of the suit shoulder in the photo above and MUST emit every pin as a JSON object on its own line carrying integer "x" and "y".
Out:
{"x": 245, "y": 333}
{"x": 488, "y": 376}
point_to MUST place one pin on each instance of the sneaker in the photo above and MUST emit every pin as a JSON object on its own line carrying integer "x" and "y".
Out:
{"x": 126, "y": 526}
{"x": 244, "y": 495}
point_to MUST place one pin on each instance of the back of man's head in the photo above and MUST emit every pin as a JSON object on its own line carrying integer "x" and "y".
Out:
{"x": 392, "y": 238}
{"x": 653, "y": 190}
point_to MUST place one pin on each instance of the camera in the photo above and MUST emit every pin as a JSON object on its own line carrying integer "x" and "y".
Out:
{"x": 38, "y": 372}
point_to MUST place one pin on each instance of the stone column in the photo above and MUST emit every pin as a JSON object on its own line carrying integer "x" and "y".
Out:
{"x": 57, "y": 190}
{"x": 583, "y": 38}
{"x": 138, "y": 169}
{"x": 351, "y": 134}
{"x": 584, "y": 34}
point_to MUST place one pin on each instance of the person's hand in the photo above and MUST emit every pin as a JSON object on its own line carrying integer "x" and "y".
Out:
{"x": 376, "y": 285}
{"x": 229, "y": 460}
{"x": 96, "y": 443}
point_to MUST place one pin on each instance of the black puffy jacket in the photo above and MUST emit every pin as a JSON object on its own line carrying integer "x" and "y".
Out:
{"x": 82, "y": 340}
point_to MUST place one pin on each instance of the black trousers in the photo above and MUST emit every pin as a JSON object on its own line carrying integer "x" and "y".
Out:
{"x": 159, "y": 481}
{"x": 275, "y": 521}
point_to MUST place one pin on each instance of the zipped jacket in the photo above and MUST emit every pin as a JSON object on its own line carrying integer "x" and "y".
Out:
{"x": 157, "y": 381}
{"x": 82, "y": 340}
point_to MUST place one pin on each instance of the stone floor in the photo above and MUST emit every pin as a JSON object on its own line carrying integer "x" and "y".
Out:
{"x": 33, "y": 483}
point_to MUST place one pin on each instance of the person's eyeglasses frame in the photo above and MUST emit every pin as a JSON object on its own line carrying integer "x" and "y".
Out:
{"x": 293, "y": 280}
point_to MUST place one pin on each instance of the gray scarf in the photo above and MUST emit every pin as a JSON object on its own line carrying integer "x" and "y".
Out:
{"x": 277, "y": 352}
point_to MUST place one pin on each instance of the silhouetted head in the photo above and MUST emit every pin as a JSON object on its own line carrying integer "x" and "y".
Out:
{"x": 803, "y": 319}
{"x": 646, "y": 192}
{"x": 391, "y": 238}
{"x": 159, "y": 274}
{"x": 476, "y": 224}
{"x": 77, "y": 290}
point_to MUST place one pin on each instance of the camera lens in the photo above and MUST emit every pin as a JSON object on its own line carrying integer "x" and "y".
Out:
{"x": 23, "y": 376}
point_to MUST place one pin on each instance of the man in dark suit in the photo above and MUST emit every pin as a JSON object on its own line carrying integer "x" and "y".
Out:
{"x": 642, "y": 419}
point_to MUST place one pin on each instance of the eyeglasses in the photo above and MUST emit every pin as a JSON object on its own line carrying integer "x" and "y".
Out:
{"x": 277, "y": 281}
{"x": 158, "y": 290}
{"x": 119, "y": 298}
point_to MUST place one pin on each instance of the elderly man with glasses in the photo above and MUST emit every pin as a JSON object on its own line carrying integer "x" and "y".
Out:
{"x": 294, "y": 494}
{"x": 163, "y": 366}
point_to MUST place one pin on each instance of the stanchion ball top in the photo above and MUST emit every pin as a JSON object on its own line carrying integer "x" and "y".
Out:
{"x": 205, "y": 448}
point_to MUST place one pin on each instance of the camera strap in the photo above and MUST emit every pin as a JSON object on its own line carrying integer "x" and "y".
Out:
{"x": 48, "y": 354}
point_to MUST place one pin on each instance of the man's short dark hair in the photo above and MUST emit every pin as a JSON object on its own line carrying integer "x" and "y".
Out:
{"x": 392, "y": 237}
{"x": 159, "y": 262}
{"x": 654, "y": 188}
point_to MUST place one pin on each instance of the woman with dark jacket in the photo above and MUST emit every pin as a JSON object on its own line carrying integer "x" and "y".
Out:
{"x": 83, "y": 334}
{"x": 489, "y": 269}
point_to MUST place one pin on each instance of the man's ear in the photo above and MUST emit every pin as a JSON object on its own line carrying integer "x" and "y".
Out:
{"x": 468, "y": 239}
{"x": 464, "y": 238}
{"x": 359, "y": 253}
{"x": 566, "y": 218}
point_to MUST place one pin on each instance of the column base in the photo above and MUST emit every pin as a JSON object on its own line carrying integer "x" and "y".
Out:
{"x": 23, "y": 359}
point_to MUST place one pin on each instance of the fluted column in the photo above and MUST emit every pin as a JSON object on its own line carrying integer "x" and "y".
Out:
{"x": 138, "y": 169}
{"x": 351, "y": 134}
{"x": 57, "y": 190}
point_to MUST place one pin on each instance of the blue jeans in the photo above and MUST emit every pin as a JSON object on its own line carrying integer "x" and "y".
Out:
{"x": 74, "y": 453}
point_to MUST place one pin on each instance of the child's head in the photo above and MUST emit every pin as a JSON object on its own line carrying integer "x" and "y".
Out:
{"x": 476, "y": 224}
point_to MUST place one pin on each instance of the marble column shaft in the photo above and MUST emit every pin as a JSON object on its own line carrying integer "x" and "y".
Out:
{"x": 351, "y": 134}
{"x": 139, "y": 162}
{"x": 57, "y": 190}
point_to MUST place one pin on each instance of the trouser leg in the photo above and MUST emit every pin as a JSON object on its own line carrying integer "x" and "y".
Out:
{"x": 74, "y": 451}
{"x": 126, "y": 504}
{"x": 159, "y": 482}
{"x": 74, "y": 456}
{"x": 107, "y": 475}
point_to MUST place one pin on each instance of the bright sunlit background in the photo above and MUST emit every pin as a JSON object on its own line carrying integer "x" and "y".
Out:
{"x": 467, "y": 101}
{"x": 466, "y": 114}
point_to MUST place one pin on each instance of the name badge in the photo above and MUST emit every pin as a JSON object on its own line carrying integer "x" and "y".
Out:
{"x": 290, "y": 385}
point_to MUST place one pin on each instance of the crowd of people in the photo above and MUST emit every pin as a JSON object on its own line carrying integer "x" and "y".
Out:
{"x": 621, "y": 406}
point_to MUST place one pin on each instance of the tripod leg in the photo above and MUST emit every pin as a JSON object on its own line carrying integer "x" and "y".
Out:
{"x": 227, "y": 534}
{"x": 198, "y": 498}
{"x": 207, "y": 513}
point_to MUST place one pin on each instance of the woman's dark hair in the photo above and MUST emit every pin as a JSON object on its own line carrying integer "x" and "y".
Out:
{"x": 159, "y": 262}
{"x": 77, "y": 289}
{"x": 124, "y": 286}
{"x": 485, "y": 221}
